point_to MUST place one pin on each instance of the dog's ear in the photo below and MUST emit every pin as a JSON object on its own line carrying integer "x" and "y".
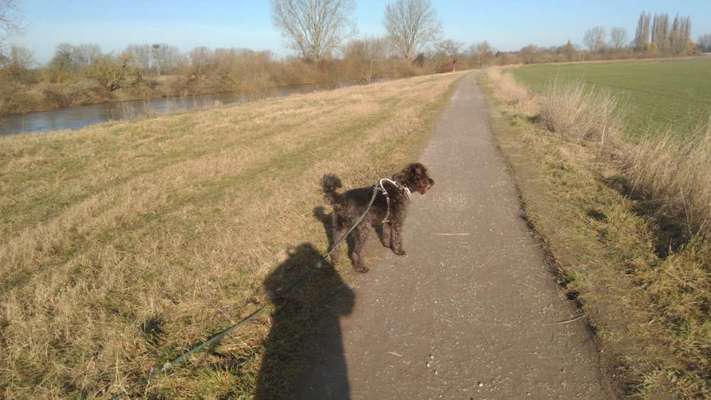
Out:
{"x": 417, "y": 169}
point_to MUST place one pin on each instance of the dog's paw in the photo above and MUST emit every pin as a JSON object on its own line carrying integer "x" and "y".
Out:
{"x": 400, "y": 252}
{"x": 362, "y": 269}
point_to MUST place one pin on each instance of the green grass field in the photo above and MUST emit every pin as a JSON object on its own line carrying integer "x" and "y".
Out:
{"x": 658, "y": 95}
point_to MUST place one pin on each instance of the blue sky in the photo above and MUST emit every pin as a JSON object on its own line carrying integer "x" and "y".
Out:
{"x": 506, "y": 24}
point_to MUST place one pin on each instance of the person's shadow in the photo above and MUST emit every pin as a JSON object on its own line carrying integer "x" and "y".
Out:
{"x": 304, "y": 355}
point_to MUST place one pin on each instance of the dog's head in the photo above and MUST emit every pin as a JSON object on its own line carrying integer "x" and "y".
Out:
{"x": 415, "y": 178}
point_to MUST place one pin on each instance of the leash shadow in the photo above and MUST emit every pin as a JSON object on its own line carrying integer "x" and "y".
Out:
{"x": 304, "y": 355}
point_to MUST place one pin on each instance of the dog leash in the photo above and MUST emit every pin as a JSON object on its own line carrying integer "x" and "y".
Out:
{"x": 217, "y": 337}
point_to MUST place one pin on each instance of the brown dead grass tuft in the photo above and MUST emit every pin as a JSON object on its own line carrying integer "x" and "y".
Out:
{"x": 510, "y": 92}
{"x": 580, "y": 112}
{"x": 677, "y": 172}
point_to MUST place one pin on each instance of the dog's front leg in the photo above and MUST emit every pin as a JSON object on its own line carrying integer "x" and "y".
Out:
{"x": 384, "y": 234}
{"x": 396, "y": 238}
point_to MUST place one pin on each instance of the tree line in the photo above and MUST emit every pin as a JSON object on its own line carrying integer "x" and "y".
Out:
{"x": 661, "y": 36}
{"x": 655, "y": 35}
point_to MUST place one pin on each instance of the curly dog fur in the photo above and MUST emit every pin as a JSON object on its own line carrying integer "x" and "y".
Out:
{"x": 350, "y": 205}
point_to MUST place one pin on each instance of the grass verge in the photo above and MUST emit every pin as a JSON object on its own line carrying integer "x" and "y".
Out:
{"x": 124, "y": 244}
{"x": 646, "y": 293}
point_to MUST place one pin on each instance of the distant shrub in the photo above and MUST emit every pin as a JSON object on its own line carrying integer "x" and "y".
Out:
{"x": 14, "y": 98}
{"x": 111, "y": 73}
{"x": 55, "y": 96}
{"x": 405, "y": 70}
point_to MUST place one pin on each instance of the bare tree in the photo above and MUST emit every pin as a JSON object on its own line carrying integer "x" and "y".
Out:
{"x": 642, "y": 36}
{"x": 365, "y": 55}
{"x": 17, "y": 63}
{"x": 450, "y": 49}
{"x": 20, "y": 56}
{"x": 704, "y": 43}
{"x": 201, "y": 59}
{"x": 594, "y": 39}
{"x": 76, "y": 57}
{"x": 482, "y": 52}
{"x": 111, "y": 72}
{"x": 618, "y": 38}
{"x": 164, "y": 58}
{"x": 411, "y": 24}
{"x": 671, "y": 38}
{"x": 140, "y": 56}
{"x": 568, "y": 50}
{"x": 8, "y": 20}
{"x": 86, "y": 54}
{"x": 680, "y": 35}
{"x": 528, "y": 53}
{"x": 62, "y": 63}
{"x": 314, "y": 28}
{"x": 660, "y": 32}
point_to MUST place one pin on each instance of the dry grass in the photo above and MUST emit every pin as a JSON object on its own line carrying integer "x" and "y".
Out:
{"x": 677, "y": 172}
{"x": 580, "y": 112}
{"x": 631, "y": 238}
{"x": 510, "y": 92}
{"x": 571, "y": 110}
{"x": 123, "y": 244}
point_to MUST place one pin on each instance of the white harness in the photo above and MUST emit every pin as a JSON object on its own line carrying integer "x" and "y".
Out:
{"x": 381, "y": 188}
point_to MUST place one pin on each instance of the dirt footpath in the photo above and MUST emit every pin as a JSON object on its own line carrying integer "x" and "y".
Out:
{"x": 472, "y": 311}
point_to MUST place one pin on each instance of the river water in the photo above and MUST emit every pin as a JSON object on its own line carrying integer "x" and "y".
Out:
{"x": 81, "y": 116}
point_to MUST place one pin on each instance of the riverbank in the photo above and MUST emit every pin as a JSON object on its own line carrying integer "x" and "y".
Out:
{"x": 84, "y": 115}
{"x": 43, "y": 98}
{"x": 108, "y": 79}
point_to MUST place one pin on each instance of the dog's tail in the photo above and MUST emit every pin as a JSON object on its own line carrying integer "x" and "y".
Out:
{"x": 330, "y": 184}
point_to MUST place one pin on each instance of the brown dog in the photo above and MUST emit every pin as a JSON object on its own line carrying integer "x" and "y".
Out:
{"x": 387, "y": 213}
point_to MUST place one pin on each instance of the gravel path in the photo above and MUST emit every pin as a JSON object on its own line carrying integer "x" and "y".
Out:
{"x": 472, "y": 311}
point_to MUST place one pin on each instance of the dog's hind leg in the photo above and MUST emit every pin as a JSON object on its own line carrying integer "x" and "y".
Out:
{"x": 359, "y": 236}
{"x": 336, "y": 234}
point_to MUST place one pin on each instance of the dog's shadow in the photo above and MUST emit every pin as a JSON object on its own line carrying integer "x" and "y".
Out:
{"x": 304, "y": 355}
